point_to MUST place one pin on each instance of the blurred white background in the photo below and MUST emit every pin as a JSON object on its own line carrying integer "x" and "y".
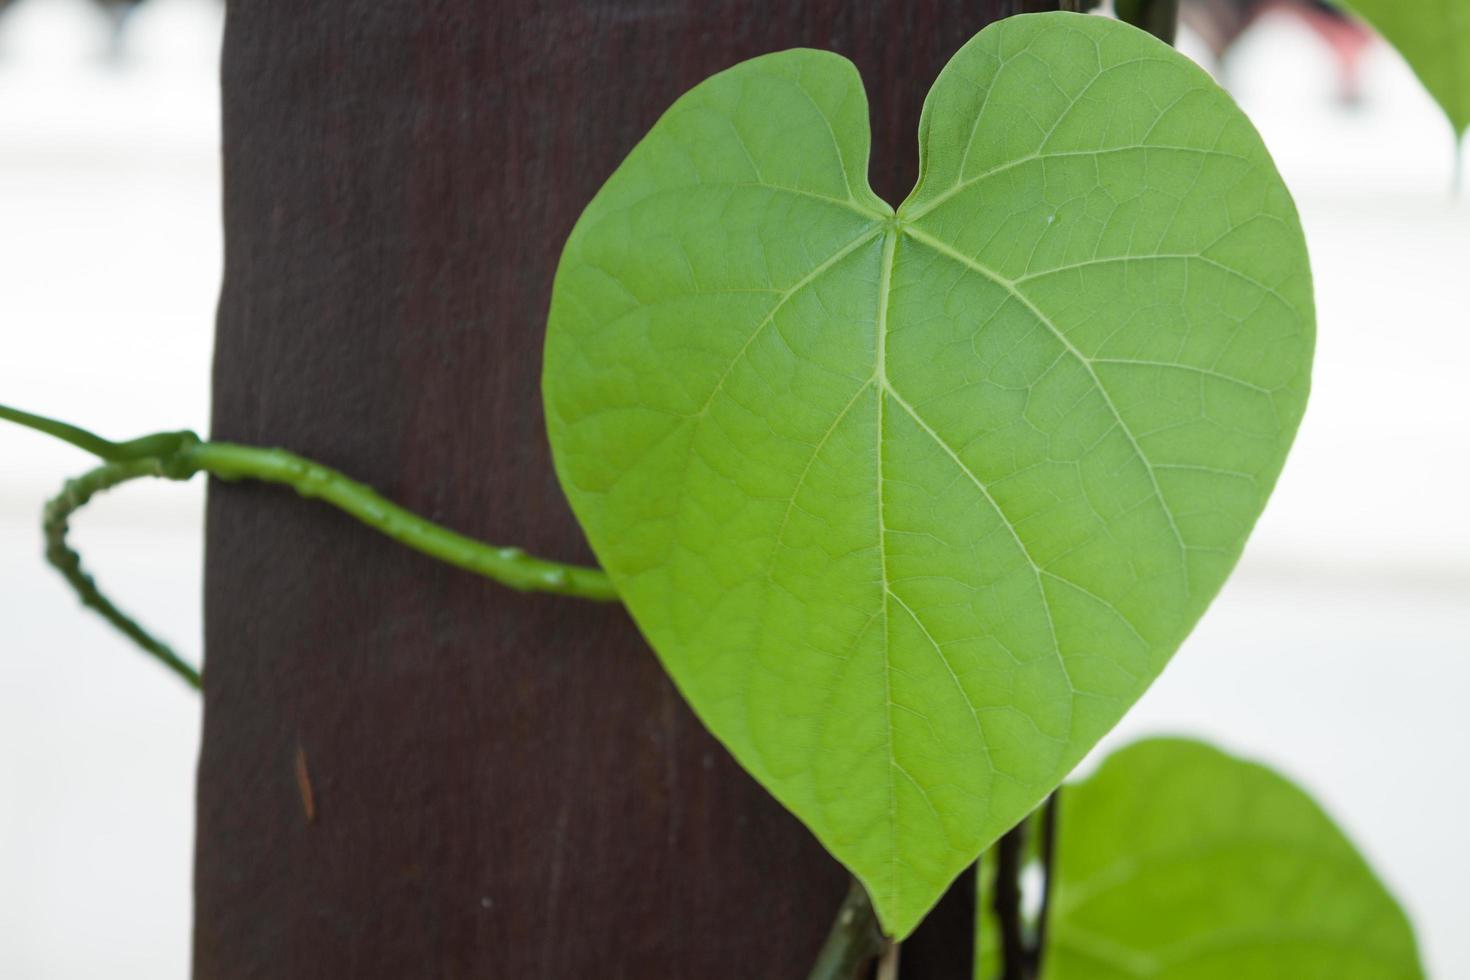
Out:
{"x": 1337, "y": 653}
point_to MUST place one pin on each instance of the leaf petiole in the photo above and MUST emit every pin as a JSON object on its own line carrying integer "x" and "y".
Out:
{"x": 854, "y": 940}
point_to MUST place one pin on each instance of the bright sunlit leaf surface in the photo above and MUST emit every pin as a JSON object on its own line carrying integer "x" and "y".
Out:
{"x": 913, "y": 505}
{"x": 1178, "y": 861}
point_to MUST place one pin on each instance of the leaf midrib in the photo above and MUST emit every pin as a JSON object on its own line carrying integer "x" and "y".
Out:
{"x": 880, "y": 376}
{"x": 892, "y": 227}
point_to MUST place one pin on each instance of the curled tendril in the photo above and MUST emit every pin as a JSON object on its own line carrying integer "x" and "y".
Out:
{"x": 56, "y": 523}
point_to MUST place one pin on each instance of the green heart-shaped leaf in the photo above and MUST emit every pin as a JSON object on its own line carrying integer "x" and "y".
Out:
{"x": 1176, "y": 860}
{"x": 914, "y": 505}
{"x": 1434, "y": 39}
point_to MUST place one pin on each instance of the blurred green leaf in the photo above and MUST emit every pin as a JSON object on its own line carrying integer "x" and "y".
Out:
{"x": 1434, "y": 37}
{"x": 1178, "y": 861}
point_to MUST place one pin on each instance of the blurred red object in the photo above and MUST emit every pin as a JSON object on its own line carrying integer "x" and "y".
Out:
{"x": 1220, "y": 23}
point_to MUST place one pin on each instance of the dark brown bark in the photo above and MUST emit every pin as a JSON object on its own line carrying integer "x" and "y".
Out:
{"x": 409, "y": 772}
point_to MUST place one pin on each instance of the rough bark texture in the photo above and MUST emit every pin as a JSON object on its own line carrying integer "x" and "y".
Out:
{"x": 502, "y": 785}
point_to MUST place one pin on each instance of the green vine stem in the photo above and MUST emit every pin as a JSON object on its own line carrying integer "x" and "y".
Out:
{"x": 56, "y": 524}
{"x": 854, "y": 940}
{"x": 510, "y": 567}
{"x": 180, "y": 455}
{"x": 161, "y": 445}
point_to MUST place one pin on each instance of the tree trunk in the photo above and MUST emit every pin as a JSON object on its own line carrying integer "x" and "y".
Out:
{"x": 408, "y": 771}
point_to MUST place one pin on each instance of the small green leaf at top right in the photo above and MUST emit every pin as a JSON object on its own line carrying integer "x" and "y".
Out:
{"x": 1178, "y": 861}
{"x": 1434, "y": 38}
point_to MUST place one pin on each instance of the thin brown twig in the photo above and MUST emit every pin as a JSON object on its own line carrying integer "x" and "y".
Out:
{"x": 888, "y": 962}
